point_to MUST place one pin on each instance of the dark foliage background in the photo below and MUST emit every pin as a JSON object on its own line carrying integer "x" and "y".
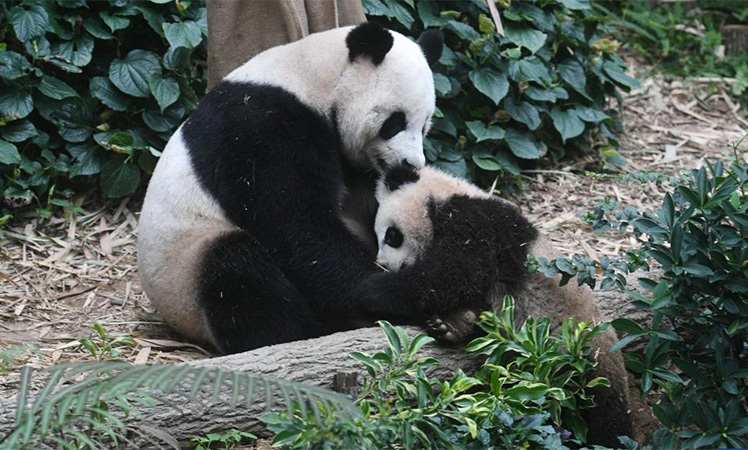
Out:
{"x": 93, "y": 88}
{"x": 539, "y": 92}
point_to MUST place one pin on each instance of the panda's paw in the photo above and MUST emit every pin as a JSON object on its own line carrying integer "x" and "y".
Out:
{"x": 442, "y": 331}
{"x": 453, "y": 328}
{"x": 436, "y": 326}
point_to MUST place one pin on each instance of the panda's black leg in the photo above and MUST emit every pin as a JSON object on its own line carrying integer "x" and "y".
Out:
{"x": 247, "y": 299}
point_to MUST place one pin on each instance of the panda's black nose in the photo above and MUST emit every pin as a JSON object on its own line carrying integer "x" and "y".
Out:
{"x": 407, "y": 164}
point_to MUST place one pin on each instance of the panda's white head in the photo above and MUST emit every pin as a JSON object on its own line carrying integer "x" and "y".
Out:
{"x": 407, "y": 200}
{"x": 384, "y": 99}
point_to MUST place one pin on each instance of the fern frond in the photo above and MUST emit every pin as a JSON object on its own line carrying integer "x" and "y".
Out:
{"x": 93, "y": 405}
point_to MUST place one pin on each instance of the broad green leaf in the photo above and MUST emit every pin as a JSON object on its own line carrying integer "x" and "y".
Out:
{"x": 523, "y": 144}
{"x": 486, "y": 161}
{"x": 114, "y": 22}
{"x": 97, "y": 28}
{"x": 523, "y": 112}
{"x": 118, "y": 178}
{"x": 457, "y": 168}
{"x": 154, "y": 18}
{"x": 576, "y": 4}
{"x": 627, "y": 326}
{"x": 165, "y": 122}
{"x": 567, "y": 123}
{"x": 28, "y": 21}
{"x": 464, "y": 31}
{"x": 483, "y": 132}
{"x": 619, "y": 77}
{"x": 16, "y": 104}
{"x": 491, "y": 83}
{"x": 525, "y": 36}
{"x": 131, "y": 74}
{"x": 442, "y": 85}
{"x": 12, "y": 65}
{"x": 104, "y": 90}
{"x": 88, "y": 159}
{"x": 572, "y": 73}
{"x": 9, "y": 153}
{"x": 183, "y": 34}
{"x": 399, "y": 12}
{"x": 428, "y": 12}
{"x": 530, "y": 69}
{"x": 176, "y": 58}
{"x": 73, "y": 117}
{"x": 540, "y": 95}
{"x": 375, "y": 8}
{"x": 164, "y": 90}
{"x": 56, "y": 89}
{"x": 591, "y": 115}
{"x": 18, "y": 131}
{"x": 76, "y": 52}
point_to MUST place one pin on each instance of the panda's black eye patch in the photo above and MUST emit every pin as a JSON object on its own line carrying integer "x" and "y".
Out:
{"x": 394, "y": 124}
{"x": 393, "y": 237}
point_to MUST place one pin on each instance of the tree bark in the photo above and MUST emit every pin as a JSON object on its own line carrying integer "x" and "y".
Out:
{"x": 314, "y": 362}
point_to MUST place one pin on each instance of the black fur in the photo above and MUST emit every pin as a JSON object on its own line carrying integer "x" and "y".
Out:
{"x": 369, "y": 39}
{"x": 432, "y": 44}
{"x": 400, "y": 175}
{"x": 291, "y": 270}
{"x": 394, "y": 124}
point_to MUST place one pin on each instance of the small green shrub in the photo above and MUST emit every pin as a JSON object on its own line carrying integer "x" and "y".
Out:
{"x": 697, "y": 339}
{"x": 92, "y": 88}
{"x": 104, "y": 349}
{"x": 105, "y": 405}
{"x": 682, "y": 38}
{"x": 537, "y": 92}
{"x": 222, "y": 441}
{"x": 530, "y": 387}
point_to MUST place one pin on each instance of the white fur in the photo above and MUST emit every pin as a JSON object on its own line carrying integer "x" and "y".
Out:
{"x": 177, "y": 223}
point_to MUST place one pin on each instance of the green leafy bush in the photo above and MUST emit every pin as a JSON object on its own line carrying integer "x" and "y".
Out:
{"x": 92, "y": 88}
{"x": 539, "y": 91}
{"x": 696, "y": 342}
{"x": 530, "y": 387}
{"x": 683, "y": 39}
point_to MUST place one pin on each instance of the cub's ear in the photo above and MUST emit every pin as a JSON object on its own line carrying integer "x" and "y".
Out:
{"x": 400, "y": 175}
{"x": 369, "y": 39}
{"x": 432, "y": 44}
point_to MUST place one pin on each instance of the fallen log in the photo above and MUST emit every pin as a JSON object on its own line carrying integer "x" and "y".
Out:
{"x": 315, "y": 362}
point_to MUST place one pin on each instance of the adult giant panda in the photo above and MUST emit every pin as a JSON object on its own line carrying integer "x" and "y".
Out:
{"x": 242, "y": 238}
{"x": 428, "y": 216}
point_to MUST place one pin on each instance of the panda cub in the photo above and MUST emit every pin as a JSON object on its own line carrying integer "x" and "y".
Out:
{"x": 428, "y": 215}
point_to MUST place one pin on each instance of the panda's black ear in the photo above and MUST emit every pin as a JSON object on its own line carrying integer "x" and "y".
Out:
{"x": 432, "y": 44}
{"x": 400, "y": 175}
{"x": 369, "y": 39}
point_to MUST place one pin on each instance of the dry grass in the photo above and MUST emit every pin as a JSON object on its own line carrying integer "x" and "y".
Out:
{"x": 60, "y": 276}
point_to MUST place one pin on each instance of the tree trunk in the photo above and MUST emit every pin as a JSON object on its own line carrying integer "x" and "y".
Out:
{"x": 314, "y": 362}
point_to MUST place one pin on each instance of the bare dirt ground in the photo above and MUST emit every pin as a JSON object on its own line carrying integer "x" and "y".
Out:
{"x": 59, "y": 277}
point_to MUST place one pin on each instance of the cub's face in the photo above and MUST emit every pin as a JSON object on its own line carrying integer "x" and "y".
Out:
{"x": 403, "y": 224}
{"x": 383, "y": 108}
{"x": 402, "y": 237}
